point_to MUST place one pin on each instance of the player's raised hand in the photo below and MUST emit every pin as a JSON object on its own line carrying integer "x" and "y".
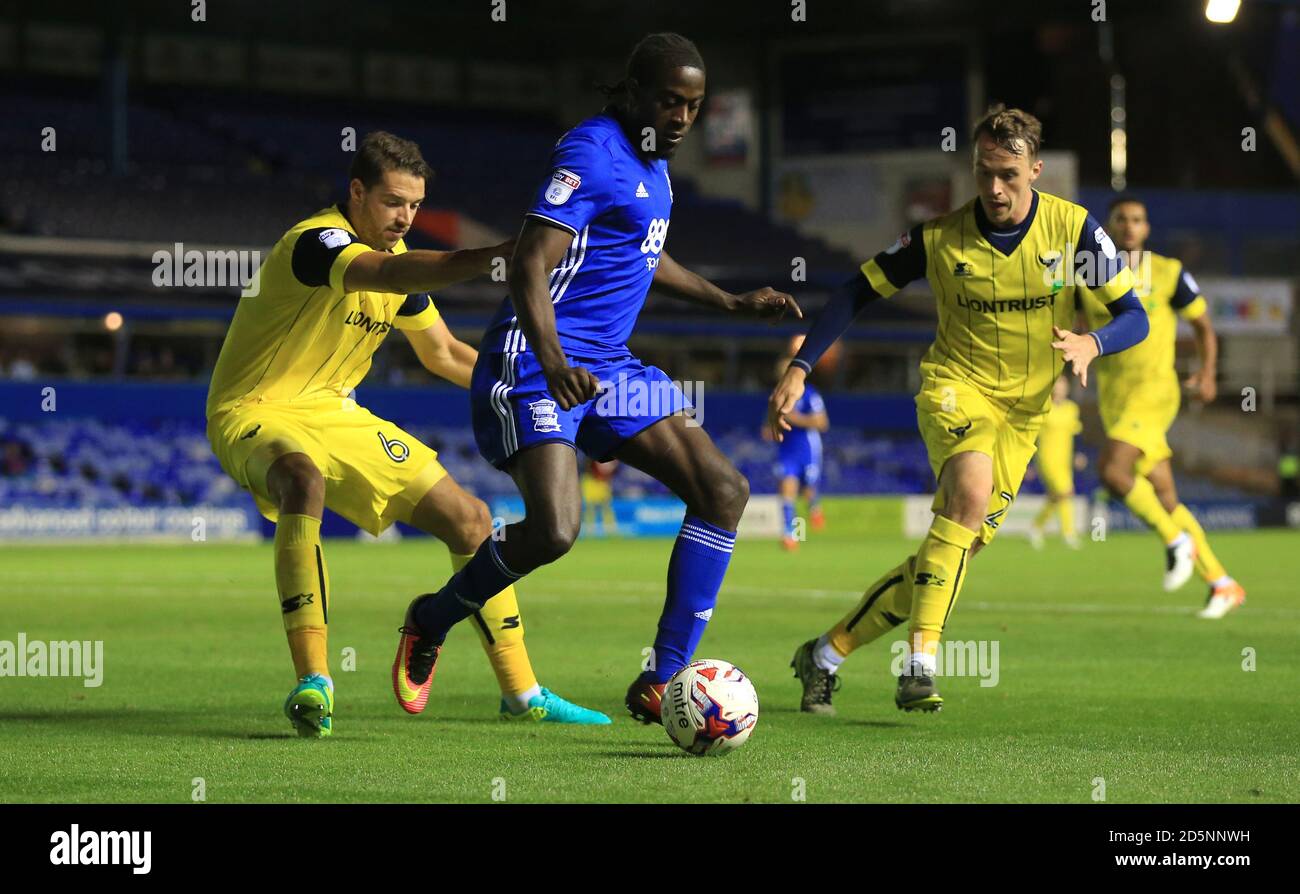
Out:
{"x": 1201, "y": 385}
{"x": 784, "y": 397}
{"x": 1079, "y": 351}
{"x": 571, "y": 385}
{"x": 767, "y": 302}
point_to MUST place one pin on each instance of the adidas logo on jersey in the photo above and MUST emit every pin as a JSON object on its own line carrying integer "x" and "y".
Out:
{"x": 641, "y": 191}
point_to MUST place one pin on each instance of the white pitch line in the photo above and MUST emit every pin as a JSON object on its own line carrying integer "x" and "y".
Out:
{"x": 632, "y": 592}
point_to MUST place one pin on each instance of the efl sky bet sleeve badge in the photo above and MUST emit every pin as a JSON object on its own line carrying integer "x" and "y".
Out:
{"x": 335, "y": 237}
{"x": 563, "y": 183}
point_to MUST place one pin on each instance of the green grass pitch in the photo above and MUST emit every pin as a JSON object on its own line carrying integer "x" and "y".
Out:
{"x": 1101, "y": 675}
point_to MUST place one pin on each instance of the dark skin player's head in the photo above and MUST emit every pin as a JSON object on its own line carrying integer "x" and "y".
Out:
{"x": 662, "y": 93}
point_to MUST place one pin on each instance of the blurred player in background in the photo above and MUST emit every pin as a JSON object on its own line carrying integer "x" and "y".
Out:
{"x": 1139, "y": 398}
{"x": 598, "y": 496}
{"x": 799, "y": 456}
{"x": 1055, "y": 459}
{"x": 282, "y": 423}
{"x": 995, "y": 266}
{"x": 591, "y": 245}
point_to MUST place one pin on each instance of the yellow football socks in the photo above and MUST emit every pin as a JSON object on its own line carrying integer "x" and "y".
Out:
{"x": 940, "y": 569}
{"x": 501, "y": 629}
{"x": 1143, "y": 502}
{"x": 1066, "y": 509}
{"x": 302, "y": 584}
{"x": 1040, "y": 520}
{"x": 885, "y": 604}
{"x": 1207, "y": 564}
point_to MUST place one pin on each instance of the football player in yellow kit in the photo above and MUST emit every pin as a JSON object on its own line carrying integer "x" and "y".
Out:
{"x": 1139, "y": 397}
{"x": 283, "y": 424}
{"x": 1055, "y": 460}
{"x": 1005, "y": 269}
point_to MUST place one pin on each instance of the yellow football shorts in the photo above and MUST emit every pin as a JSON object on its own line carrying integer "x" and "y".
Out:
{"x": 955, "y": 417}
{"x": 1142, "y": 416}
{"x": 596, "y": 492}
{"x": 374, "y": 471}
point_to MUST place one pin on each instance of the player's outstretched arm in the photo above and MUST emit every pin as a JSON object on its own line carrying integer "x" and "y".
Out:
{"x": 677, "y": 281}
{"x": 537, "y": 252}
{"x": 1128, "y": 326}
{"x": 442, "y": 354}
{"x": 420, "y": 270}
{"x": 1203, "y": 384}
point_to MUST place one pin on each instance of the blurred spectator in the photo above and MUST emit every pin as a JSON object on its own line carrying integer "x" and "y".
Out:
{"x": 16, "y": 458}
{"x": 22, "y": 368}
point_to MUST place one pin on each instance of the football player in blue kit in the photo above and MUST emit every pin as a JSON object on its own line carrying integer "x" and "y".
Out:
{"x": 799, "y": 456}
{"x": 554, "y": 370}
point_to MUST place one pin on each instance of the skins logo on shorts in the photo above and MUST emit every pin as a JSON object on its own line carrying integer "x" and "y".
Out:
{"x": 544, "y": 415}
{"x": 563, "y": 183}
{"x": 397, "y": 450}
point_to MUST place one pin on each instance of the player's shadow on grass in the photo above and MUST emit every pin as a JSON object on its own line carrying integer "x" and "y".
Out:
{"x": 643, "y": 752}
{"x": 879, "y": 724}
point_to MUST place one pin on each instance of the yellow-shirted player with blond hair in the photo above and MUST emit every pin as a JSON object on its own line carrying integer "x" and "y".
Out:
{"x": 1138, "y": 394}
{"x": 1004, "y": 269}
{"x": 1055, "y": 461}
{"x": 283, "y": 424}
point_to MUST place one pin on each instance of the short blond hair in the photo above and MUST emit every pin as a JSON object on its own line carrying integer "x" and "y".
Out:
{"x": 1015, "y": 130}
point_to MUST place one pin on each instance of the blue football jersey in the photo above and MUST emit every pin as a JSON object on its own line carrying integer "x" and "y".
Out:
{"x": 616, "y": 203}
{"x": 804, "y": 444}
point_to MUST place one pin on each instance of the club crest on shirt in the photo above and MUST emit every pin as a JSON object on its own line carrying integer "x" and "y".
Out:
{"x": 563, "y": 183}
{"x": 544, "y": 415}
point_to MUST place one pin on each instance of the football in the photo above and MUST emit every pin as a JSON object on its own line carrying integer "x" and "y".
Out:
{"x": 709, "y": 707}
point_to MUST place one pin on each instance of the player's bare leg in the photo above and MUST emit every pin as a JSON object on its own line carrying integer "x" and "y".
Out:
{"x": 1225, "y": 593}
{"x": 685, "y": 459}
{"x": 1118, "y": 470}
{"x": 297, "y": 488}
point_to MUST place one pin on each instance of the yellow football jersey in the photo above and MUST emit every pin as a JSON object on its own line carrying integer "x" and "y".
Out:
{"x": 1166, "y": 291}
{"x": 999, "y": 293}
{"x": 297, "y": 335}
{"x": 1060, "y": 425}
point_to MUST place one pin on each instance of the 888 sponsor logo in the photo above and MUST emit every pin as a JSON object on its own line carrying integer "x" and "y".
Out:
{"x": 653, "y": 243}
